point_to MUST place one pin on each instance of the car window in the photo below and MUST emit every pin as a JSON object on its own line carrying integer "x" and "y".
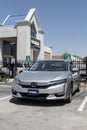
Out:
{"x": 50, "y": 66}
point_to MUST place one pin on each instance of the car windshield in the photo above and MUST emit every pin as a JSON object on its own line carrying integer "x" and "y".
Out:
{"x": 50, "y": 66}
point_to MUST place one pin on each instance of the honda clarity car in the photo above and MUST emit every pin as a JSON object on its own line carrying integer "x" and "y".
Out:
{"x": 47, "y": 80}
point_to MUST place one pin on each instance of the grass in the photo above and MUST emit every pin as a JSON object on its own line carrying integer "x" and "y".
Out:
{"x": 3, "y": 79}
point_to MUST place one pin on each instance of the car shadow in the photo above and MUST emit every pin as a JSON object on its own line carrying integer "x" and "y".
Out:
{"x": 41, "y": 103}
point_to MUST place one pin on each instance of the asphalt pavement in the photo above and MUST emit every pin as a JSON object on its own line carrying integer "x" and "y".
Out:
{"x": 42, "y": 115}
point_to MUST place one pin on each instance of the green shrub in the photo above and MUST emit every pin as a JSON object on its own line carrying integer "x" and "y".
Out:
{"x": 3, "y": 79}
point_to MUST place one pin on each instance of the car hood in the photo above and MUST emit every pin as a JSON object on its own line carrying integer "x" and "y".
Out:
{"x": 42, "y": 76}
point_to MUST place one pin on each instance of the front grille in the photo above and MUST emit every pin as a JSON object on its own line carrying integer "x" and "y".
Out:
{"x": 39, "y": 87}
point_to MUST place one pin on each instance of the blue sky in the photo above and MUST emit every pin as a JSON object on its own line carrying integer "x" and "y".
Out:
{"x": 64, "y": 22}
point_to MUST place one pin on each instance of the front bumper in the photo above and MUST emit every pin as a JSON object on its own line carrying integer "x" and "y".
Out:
{"x": 50, "y": 93}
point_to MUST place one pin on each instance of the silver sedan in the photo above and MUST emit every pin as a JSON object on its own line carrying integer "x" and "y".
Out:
{"x": 47, "y": 79}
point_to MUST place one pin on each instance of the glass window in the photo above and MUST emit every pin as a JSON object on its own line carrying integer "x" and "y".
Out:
{"x": 33, "y": 30}
{"x": 6, "y": 48}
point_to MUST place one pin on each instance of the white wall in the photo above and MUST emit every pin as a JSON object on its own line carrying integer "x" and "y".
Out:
{"x": 1, "y": 45}
{"x": 9, "y": 31}
{"x": 23, "y": 40}
{"x": 48, "y": 49}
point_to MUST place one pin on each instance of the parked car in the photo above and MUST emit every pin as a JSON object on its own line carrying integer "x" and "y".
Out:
{"x": 21, "y": 66}
{"x": 4, "y": 71}
{"x": 47, "y": 79}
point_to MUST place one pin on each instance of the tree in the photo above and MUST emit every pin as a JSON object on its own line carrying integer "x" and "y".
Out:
{"x": 64, "y": 55}
{"x": 84, "y": 59}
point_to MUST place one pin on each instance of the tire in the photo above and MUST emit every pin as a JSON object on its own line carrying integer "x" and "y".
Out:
{"x": 78, "y": 89}
{"x": 69, "y": 99}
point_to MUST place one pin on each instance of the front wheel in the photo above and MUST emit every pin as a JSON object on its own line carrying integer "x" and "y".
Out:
{"x": 69, "y": 99}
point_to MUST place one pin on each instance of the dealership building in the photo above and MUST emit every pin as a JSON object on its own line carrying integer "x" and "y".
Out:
{"x": 22, "y": 38}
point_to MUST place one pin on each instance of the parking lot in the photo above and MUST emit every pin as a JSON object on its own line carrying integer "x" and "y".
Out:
{"x": 42, "y": 115}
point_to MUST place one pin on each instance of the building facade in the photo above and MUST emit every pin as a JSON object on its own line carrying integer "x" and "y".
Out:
{"x": 21, "y": 37}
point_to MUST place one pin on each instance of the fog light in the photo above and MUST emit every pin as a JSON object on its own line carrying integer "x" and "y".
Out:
{"x": 18, "y": 95}
{"x": 59, "y": 94}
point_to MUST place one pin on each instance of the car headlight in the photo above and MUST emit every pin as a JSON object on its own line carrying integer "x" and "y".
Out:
{"x": 56, "y": 82}
{"x": 17, "y": 81}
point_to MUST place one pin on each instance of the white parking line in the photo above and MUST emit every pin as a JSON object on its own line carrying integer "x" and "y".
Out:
{"x": 81, "y": 107}
{"x": 5, "y": 98}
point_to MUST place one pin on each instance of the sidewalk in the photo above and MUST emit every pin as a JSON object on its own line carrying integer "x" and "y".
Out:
{"x": 83, "y": 84}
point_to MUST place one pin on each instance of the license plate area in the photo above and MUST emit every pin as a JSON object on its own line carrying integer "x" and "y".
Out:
{"x": 33, "y": 92}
